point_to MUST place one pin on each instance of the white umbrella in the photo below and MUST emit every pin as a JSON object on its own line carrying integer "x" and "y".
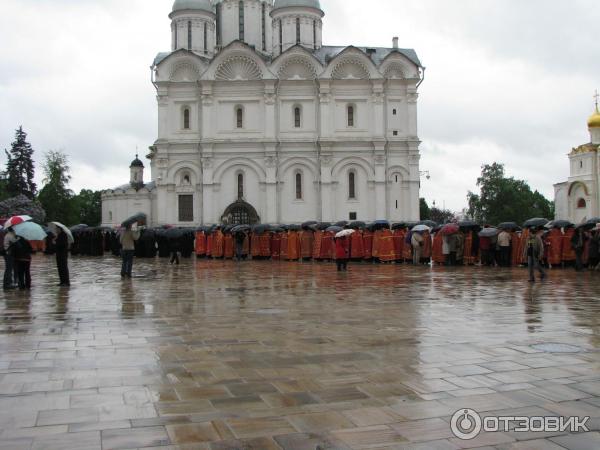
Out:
{"x": 345, "y": 233}
{"x": 421, "y": 228}
{"x": 54, "y": 226}
{"x": 16, "y": 220}
{"x": 30, "y": 231}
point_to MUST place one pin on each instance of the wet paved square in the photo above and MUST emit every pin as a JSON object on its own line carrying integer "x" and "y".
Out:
{"x": 264, "y": 355}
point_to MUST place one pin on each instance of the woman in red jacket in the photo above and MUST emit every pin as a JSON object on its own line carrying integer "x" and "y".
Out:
{"x": 342, "y": 253}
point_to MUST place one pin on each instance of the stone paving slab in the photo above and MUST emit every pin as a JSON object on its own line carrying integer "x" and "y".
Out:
{"x": 262, "y": 355}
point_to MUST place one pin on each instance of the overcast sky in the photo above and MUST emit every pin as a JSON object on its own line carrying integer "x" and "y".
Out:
{"x": 510, "y": 81}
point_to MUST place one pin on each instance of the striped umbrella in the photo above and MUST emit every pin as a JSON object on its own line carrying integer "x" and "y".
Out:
{"x": 16, "y": 220}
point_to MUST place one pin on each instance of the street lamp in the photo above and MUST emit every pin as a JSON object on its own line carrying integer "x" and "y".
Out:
{"x": 425, "y": 173}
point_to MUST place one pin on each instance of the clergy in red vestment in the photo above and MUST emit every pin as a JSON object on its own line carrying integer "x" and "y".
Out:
{"x": 228, "y": 246}
{"x": 219, "y": 244}
{"x": 316, "y": 254}
{"x": 517, "y": 248}
{"x": 426, "y": 250}
{"x": 376, "y": 244}
{"x": 437, "y": 253}
{"x": 554, "y": 239}
{"x": 200, "y": 244}
{"x": 306, "y": 244}
{"x": 327, "y": 246}
{"x": 399, "y": 236}
{"x": 357, "y": 247}
{"x": 293, "y": 253}
{"x": 283, "y": 252}
{"x": 265, "y": 245}
{"x": 387, "y": 252}
{"x": 255, "y": 245}
{"x": 276, "y": 246}
{"x": 568, "y": 252}
{"x": 368, "y": 244}
{"x": 209, "y": 244}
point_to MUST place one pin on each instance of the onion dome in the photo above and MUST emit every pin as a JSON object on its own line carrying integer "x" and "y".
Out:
{"x": 137, "y": 163}
{"x": 201, "y": 5}
{"x": 315, "y": 4}
{"x": 594, "y": 120}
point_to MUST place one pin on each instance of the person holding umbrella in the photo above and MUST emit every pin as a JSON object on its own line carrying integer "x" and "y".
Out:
{"x": 128, "y": 239}
{"x": 342, "y": 249}
{"x": 534, "y": 253}
{"x": 22, "y": 254}
{"x": 10, "y": 267}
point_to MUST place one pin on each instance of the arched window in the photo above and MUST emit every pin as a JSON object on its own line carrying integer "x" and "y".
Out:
{"x": 110, "y": 216}
{"x": 298, "y": 186}
{"x": 186, "y": 180}
{"x": 394, "y": 111}
{"x": 218, "y": 24}
{"x": 176, "y": 27}
{"x": 239, "y": 117}
{"x": 264, "y": 27}
{"x": 297, "y": 117}
{"x": 315, "y": 34}
{"x": 240, "y": 185}
{"x": 205, "y": 37}
{"x": 186, "y": 118}
{"x": 189, "y": 35}
{"x": 350, "y": 115}
{"x": 280, "y": 36}
{"x": 352, "y": 185}
{"x": 581, "y": 203}
{"x": 297, "y": 30}
{"x": 241, "y": 8}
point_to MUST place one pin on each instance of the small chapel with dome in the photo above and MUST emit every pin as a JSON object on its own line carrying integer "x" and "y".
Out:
{"x": 259, "y": 121}
{"x": 578, "y": 199}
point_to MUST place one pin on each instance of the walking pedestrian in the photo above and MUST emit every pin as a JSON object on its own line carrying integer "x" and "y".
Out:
{"x": 504, "y": 242}
{"x": 22, "y": 253}
{"x": 534, "y": 253}
{"x": 342, "y": 253}
{"x": 128, "y": 239}
{"x": 174, "y": 247}
{"x": 10, "y": 266}
{"x": 62, "y": 257}
{"x": 416, "y": 242}
{"x": 578, "y": 243}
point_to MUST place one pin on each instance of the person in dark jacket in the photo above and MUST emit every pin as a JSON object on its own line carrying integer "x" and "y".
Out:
{"x": 10, "y": 266}
{"x": 594, "y": 258}
{"x": 240, "y": 238}
{"x": 22, "y": 255}
{"x": 578, "y": 242}
{"x": 175, "y": 247}
{"x": 62, "y": 257}
{"x": 534, "y": 253}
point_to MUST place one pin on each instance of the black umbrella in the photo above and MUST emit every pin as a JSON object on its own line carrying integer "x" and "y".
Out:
{"x": 275, "y": 229}
{"x": 335, "y": 229}
{"x": 341, "y": 223}
{"x": 295, "y": 228}
{"x": 509, "y": 226}
{"x": 593, "y": 221}
{"x": 398, "y": 225}
{"x": 559, "y": 224}
{"x": 535, "y": 223}
{"x": 357, "y": 225}
{"x": 468, "y": 224}
{"x": 240, "y": 229}
{"x": 309, "y": 224}
{"x": 260, "y": 229}
{"x": 489, "y": 232}
{"x": 139, "y": 218}
{"x": 323, "y": 226}
{"x": 78, "y": 228}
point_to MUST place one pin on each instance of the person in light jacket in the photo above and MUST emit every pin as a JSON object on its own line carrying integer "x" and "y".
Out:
{"x": 416, "y": 242}
{"x": 534, "y": 253}
{"x": 128, "y": 239}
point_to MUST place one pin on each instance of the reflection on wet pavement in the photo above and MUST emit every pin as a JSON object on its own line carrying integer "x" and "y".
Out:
{"x": 263, "y": 355}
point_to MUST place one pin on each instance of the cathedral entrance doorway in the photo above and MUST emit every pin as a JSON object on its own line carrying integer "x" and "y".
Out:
{"x": 240, "y": 213}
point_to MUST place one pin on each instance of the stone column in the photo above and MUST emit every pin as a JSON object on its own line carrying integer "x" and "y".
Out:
{"x": 378, "y": 105}
{"x": 206, "y": 131}
{"x": 208, "y": 214}
{"x": 379, "y": 163}
{"x": 271, "y": 164}
{"x": 325, "y": 161}
{"x": 411, "y": 99}
{"x": 162, "y": 99}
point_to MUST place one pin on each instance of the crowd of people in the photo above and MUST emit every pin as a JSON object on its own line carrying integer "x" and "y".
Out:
{"x": 425, "y": 243}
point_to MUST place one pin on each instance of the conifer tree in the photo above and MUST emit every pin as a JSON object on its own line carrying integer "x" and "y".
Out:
{"x": 20, "y": 169}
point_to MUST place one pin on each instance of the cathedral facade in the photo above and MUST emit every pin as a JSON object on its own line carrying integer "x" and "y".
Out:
{"x": 258, "y": 121}
{"x": 578, "y": 199}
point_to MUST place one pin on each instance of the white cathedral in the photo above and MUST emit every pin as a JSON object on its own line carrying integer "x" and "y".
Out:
{"x": 258, "y": 121}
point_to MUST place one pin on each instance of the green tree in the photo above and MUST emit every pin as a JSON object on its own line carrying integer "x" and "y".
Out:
{"x": 87, "y": 207}
{"x": 441, "y": 216}
{"x": 504, "y": 199}
{"x": 3, "y": 186}
{"x": 55, "y": 196}
{"x": 424, "y": 209}
{"x": 20, "y": 169}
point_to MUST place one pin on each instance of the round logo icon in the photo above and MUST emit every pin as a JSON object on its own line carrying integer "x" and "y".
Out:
{"x": 466, "y": 424}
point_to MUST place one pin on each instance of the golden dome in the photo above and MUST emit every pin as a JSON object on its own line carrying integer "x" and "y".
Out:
{"x": 594, "y": 120}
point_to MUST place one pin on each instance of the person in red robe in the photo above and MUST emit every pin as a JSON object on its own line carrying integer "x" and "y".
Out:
{"x": 568, "y": 252}
{"x": 306, "y": 244}
{"x": 318, "y": 240}
{"x": 437, "y": 254}
{"x": 468, "y": 257}
{"x": 517, "y": 248}
{"x": 327, "y": 246}
{"x": 357, "y": 246}
{"x": 554, "y": 240}
{"x": 399, "y": 236}
{"x": 342, "y": 253}
{"x": 200, "y": 244}
{"x": 283, "y": 252}
{"x": 265, "y": 245}
{"x": 219, "y": 244}
{"x": 407, "y": 253}
{"x": 387, "y": 252}
{"x": 293, "y": 253}
{"x": 426, "y": 250}
{"x": 209, "y": 244}
{"x": 368, "y": 245}
{"x": 376, "y": 244}
{"x": 228, "y": 246}
{"x": 276, "y": 246}
{"x": 255, "y": 245}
